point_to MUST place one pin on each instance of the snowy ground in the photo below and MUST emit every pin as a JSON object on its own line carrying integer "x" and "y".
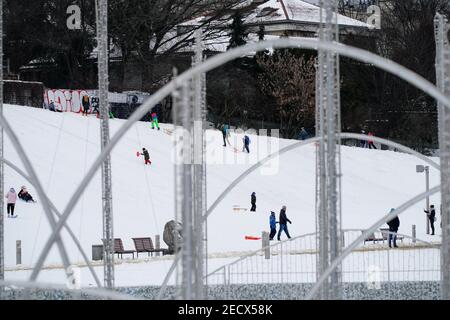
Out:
{"x": 62, "y": 146}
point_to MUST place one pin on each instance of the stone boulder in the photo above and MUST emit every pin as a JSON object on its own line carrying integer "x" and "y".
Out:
{"x": 172, "y": 235}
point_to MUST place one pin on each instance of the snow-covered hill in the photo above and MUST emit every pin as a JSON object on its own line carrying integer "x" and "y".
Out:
{"x": 62, "y": 146}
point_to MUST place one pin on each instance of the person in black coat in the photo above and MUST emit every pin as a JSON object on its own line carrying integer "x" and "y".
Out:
{"x": 432, "y": 217}
{"x": 282, "y": 221}
{"x": 393, "y": 224}
{"x": 253, "y": 201}
{"x": 24, "y": 195}
{"x": 146, "y": 156}
{"x": 86, "y": 105}
{"x": 95, "y": 106}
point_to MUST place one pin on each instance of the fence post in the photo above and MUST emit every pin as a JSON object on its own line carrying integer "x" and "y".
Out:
{"x": 265, "y": 244}
{"x": 18, "y": 252}
{"x": 157, "y": 244}
{"x": 224, "y": 276}
{"x": 414, "y": 233}
{"x": 389, "y": 274}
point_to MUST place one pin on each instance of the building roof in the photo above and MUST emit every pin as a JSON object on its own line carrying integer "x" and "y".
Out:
{"x": 295, "y": 10}
{"x": 283, "y": 14}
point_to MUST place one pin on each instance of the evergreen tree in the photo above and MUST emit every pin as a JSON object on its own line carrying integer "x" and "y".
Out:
{"x": 238, "y": 31}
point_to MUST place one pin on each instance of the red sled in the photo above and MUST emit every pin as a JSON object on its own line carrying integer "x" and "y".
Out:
{"x": 252, "y": 238}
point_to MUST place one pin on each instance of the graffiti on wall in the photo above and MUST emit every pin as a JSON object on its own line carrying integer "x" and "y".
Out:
{"x": 67, "y": 100}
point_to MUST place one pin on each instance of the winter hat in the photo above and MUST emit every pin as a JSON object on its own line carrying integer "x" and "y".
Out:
{"x": 432, "y": 206}
{"x": 392, "y": 209}
{"x": 12, "y": 190}
{"x": 284, "y": 207}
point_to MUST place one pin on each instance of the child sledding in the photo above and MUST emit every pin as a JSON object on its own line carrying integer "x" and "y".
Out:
{"x": 25, "y": 195}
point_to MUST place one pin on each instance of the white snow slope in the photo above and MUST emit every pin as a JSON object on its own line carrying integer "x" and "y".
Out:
{"x": 62, "y": 146}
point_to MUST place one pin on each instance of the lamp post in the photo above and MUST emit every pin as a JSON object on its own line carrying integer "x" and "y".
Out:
{"x": 421, "y": 168}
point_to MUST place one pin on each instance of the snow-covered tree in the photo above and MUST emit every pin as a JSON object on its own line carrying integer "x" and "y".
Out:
{"x": 239, "y": 32}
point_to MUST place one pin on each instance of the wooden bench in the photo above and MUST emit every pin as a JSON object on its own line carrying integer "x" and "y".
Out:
{"x": 373, "y": 238}
{"x": 145, "y": 244}
{"x": 118, "y": 248}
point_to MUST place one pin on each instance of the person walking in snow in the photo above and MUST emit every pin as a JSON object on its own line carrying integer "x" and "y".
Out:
{"x": 273, "y": 225}
{"x": 303, "y": 134}
{"x": 86, "y": 105}
{"x": 95, "y": 106}
{"x": 11, "y": 197}
{"x": 363, "y": 143}
{"x": 393, "y": 224}
{"x": 51, "y": 106}
{"x": 253, "y": 201}
{"x": 371, "y": 145}
{"x": 246, "y": 141}
{"x": 146, "y": 156}
{"x": 283, "y": 220}
{"x": 24, "y": 195}
{"x": 432, "y": 217}
{"x": 155, "y": 120}
{"x": 225, "y": 134}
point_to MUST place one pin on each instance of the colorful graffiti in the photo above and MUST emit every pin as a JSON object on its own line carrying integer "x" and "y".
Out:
{"x": 67, "y": 100}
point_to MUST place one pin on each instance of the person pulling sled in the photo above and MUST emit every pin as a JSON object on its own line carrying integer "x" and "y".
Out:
{"x": 146, "y": 156}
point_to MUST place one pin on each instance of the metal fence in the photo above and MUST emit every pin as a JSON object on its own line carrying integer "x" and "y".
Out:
{"x": 372, "y": 265}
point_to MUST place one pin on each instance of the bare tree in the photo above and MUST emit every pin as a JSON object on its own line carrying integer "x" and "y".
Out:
{"x": 356, "y": 9}
{"x": 385, "y": 104}
{"x": 290, "y": 79}
{"x": 147, "y": 29}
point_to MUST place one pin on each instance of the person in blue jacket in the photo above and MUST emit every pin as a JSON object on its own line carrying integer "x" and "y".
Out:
{"x": 273, "y": 225}
{"x": 225, "y": 134}
{"x": 246, "y": 141}
{"x": 303, "y": 134}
